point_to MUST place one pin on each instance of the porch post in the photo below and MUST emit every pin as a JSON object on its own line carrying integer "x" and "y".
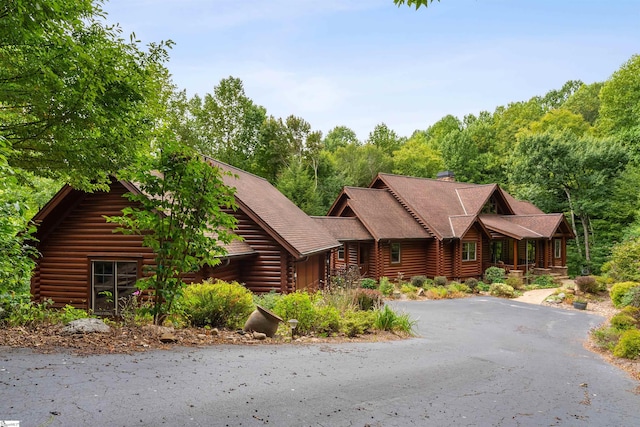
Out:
{"x": 515, "y": 254}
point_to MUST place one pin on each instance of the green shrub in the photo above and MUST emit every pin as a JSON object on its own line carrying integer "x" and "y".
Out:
{"x": 619, "y": 290}
{"x": 386, "y": 287}
{"x": 368, "y": 284}
{"x": 471, "y": 283}
{"x": 544, "y": 282}
{"x": 632, "y": 311}
{"x": 606, "y": 337}
{"x": 440, "y": 281}
{"x": 218, "y": 304}
{"x": 267, "y": 300}
{"x": 587, "y": 284}
{"x": 409, "y": 290}
{"x": 297, "y": 305}
{"x": 631, "y": 297}
{"x": 356, "y": 323}
{"x": 368, "y": 299}
{"x": 458, "y": 287}
{"x": 622, "y": 322}
{"x": 502, "y": 290}
{"x": 494, "y": 275}
{"x": 629, "y": 345}
{"x": 623, "y": 265}
{"x": 23, "y": 312}
{"x": 483, "y": 287}
{"x": 69, "y": 313}
{"x": 328, "y": 319}
{"x": 418, "y": 281}
{"x": 515, "y": 283}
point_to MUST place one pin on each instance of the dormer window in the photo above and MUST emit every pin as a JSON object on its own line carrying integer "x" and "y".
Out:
{"x": 490, "y": 207}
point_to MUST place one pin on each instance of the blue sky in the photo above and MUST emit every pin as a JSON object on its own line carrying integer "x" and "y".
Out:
{"x": 358, "y": 63}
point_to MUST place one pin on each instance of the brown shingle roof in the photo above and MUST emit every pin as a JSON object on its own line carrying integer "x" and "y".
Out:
{"x": 344, "y": 228}
{"x": 382, "y": 215}
{"x": 524, "y": 226}
{"x": 282, "y": 219}
{"x": 521, "y": 207}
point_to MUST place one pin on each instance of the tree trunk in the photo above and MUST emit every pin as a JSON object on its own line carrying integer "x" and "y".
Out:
{"x": 573, "y": 221}
{"x": 585, "y": 231}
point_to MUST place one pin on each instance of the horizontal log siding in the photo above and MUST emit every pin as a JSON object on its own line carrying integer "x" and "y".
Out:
{"x": 261, "y": 272}
{"x": 432, "y": 258}
{"x": 413, "y": 256}
{"x": 448, "y": 256}
{"x": 472, "y": 268}
{"x": 64, "y": 267}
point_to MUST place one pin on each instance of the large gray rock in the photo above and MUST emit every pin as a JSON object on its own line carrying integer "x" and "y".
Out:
{"x": 85, "y": 326}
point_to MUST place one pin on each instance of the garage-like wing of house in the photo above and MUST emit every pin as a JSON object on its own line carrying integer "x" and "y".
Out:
{"x": 282, "y": 249}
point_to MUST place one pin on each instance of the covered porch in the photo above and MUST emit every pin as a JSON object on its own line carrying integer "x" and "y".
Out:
{"x": 527, "y": 256}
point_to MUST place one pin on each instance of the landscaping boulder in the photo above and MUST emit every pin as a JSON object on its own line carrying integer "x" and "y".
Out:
{"x": 85, "y": 326}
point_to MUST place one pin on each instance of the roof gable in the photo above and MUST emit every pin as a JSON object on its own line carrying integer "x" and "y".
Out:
{"x": 276, "y": 214}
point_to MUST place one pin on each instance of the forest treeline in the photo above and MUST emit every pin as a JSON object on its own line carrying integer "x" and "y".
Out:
{"x": 79, "y": 102}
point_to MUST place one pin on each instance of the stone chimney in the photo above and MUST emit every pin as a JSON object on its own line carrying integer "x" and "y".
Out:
{"x": 446, "y": 176}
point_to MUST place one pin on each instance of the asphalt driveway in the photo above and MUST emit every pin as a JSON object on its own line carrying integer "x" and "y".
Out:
{"x": 479, "y": 362}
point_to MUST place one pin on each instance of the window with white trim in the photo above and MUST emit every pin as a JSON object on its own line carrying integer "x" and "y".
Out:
{"x": 395, "y": 253}
{"x": 341, "y": 253}
{"x": 557, "y": 248}
{"x": 468, "y": 251}
{"x": 111, "y": 282}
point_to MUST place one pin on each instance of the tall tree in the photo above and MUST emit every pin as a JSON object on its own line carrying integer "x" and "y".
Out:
{"x": 417, "y": 158}
{"x": 385, "y": 139}
{"x": 340, "y": 136}
{"x": 76, "y": 100}
{"x": 620, "y": 100}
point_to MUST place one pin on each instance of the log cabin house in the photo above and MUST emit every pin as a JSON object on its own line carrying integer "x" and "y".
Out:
{"x": 406, "y": 226}
{"x": 282, "y": 249}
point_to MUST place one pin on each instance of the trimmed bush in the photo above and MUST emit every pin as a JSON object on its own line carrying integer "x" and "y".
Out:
{"x": 619, "y": 290}
{"x": 418, "y": 281}
{"x": 471, "y": 283}
{"x": 440, "y": 281}
{"x": 545, "y": 281}
{"x": 606, "y": 337}
{"x": 368, "y": 284}
{"x": 622, "y": 322}
{"x": 368, "y": 299}
{"x": 454, "y": 287}
{"x": 483, "y": 287}
{"x": 629, "y": 345}
{"x": 297, "y": 305}
{"x": 631, "y": 297}
{"x": 502, "y": 290}
{"x": 515, "y": 283}
{"x": 587, "y": 284}
{"x": 218, "y": 304}
{"x": 328, "y": 319}
{"x": 356, "y": 323}
{"x": 494, "y": 275}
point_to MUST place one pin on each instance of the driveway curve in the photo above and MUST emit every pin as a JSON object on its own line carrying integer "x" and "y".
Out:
{"x": 479, "y": 361}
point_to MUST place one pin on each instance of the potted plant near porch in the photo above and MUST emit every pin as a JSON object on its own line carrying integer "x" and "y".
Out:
{"x": 580, "y": 304}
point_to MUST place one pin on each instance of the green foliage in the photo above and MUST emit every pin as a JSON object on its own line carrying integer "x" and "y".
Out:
{"x": 631, "y": 297}
{"x": 544, "y": 282}
{"x": 368, "y": 283}
{"x": 620, "y": 97}
{"x": 623, "y": 321}
{"x": 515, "y": 283}
{"x": 494, "y": 275}
{"x": 218, "y": 304}
{"x": 606, "y": 337}
{"x": 629, "y": 345}
{"x": 368, "y": 299}
{"x": 416, "y": 3}
{"x": 458, "y": 287}
{"x": 587, "y": 284}
{"x": 356, "y": 323}
{"x": 440, "y": 281}
{"x": 483, "y": 287}
{"x": 418, "y": 281}
{"x": 386, "y": 287}
{"x": 409, "y": 290}
{"x": 624, "y": 264}
{"x": 20, "y": 311}
{"x": 501, "y": 290}
{"x": 78, "y": 101}
{"x": 437, "y": 292}
{"x": 327, "y": 319}
{"x": 388, "y": 320}
{"x": 300, "y": 306}
{"x": 471, "y": 283}
{"x": 179, "y": 208}
{"x": 267, "y": 300}
{"x": 619, "y": 290}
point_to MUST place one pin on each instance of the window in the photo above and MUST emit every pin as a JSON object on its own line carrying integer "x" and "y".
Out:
{"x": 557, "y": 248}
{"x": 341, "y": 253}
{"x": 395, "y": 253}
{"x": 496, "y": 251}
{"x": 110, "y": 282}
{"x": 468, "y": 251}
